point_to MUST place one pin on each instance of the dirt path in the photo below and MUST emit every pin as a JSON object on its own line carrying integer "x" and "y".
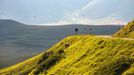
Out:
{"x": 108, "y": 36}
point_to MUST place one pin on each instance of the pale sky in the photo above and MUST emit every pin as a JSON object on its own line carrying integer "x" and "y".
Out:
{"x": 67, "y": 11}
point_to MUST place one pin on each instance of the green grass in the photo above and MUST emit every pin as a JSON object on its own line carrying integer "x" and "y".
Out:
{"x": 126, "y": 31}
{"x": 85, "y": 55}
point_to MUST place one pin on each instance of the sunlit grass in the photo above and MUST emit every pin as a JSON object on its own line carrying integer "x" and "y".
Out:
{"x": 85, "y": 55}
{"x": 126, "y": 31}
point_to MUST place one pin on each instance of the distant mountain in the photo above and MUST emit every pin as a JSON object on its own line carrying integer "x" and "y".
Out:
{"x": 19, "y": 41}
{"x": 9, "y": 22}
{"x": 126, "y": 31}
{"x": 12, "y": 27}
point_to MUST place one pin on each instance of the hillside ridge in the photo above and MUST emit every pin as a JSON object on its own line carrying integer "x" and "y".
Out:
{"x": 33, "y": 39}
{"x": 85, "y": 54}
{"x": 126, "y": 31}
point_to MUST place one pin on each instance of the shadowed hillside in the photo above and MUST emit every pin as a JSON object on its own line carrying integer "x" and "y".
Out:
{"x": 126, "y": 31}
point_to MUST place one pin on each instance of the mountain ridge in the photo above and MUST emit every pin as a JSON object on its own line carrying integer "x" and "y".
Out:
{"x": 17, "y": 22}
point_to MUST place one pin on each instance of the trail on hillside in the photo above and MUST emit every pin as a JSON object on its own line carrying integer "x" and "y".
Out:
{"x": 108, "y": 36}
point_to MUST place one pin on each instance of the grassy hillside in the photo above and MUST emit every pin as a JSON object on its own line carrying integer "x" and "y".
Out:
{"x": 30, "y": 40}
{"x": 80, "y": 55}
{"x": 126, "y": 31}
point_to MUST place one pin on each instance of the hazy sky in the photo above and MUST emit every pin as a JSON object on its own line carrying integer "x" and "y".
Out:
{"x": 67, "y": 11}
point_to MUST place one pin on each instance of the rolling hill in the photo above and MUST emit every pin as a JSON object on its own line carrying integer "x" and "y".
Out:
{"x": 80, "y": 55}
{"x": 126, "y": 31}
{"x": 19, "y": 42}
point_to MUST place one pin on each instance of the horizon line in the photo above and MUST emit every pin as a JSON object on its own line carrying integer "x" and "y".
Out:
{"x": 56, "y": 24}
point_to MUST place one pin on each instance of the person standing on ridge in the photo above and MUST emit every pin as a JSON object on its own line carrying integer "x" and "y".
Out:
{"x": 76, "y": 30}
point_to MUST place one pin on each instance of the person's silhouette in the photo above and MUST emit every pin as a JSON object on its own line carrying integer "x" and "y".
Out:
{"x": 76, "y": 30}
